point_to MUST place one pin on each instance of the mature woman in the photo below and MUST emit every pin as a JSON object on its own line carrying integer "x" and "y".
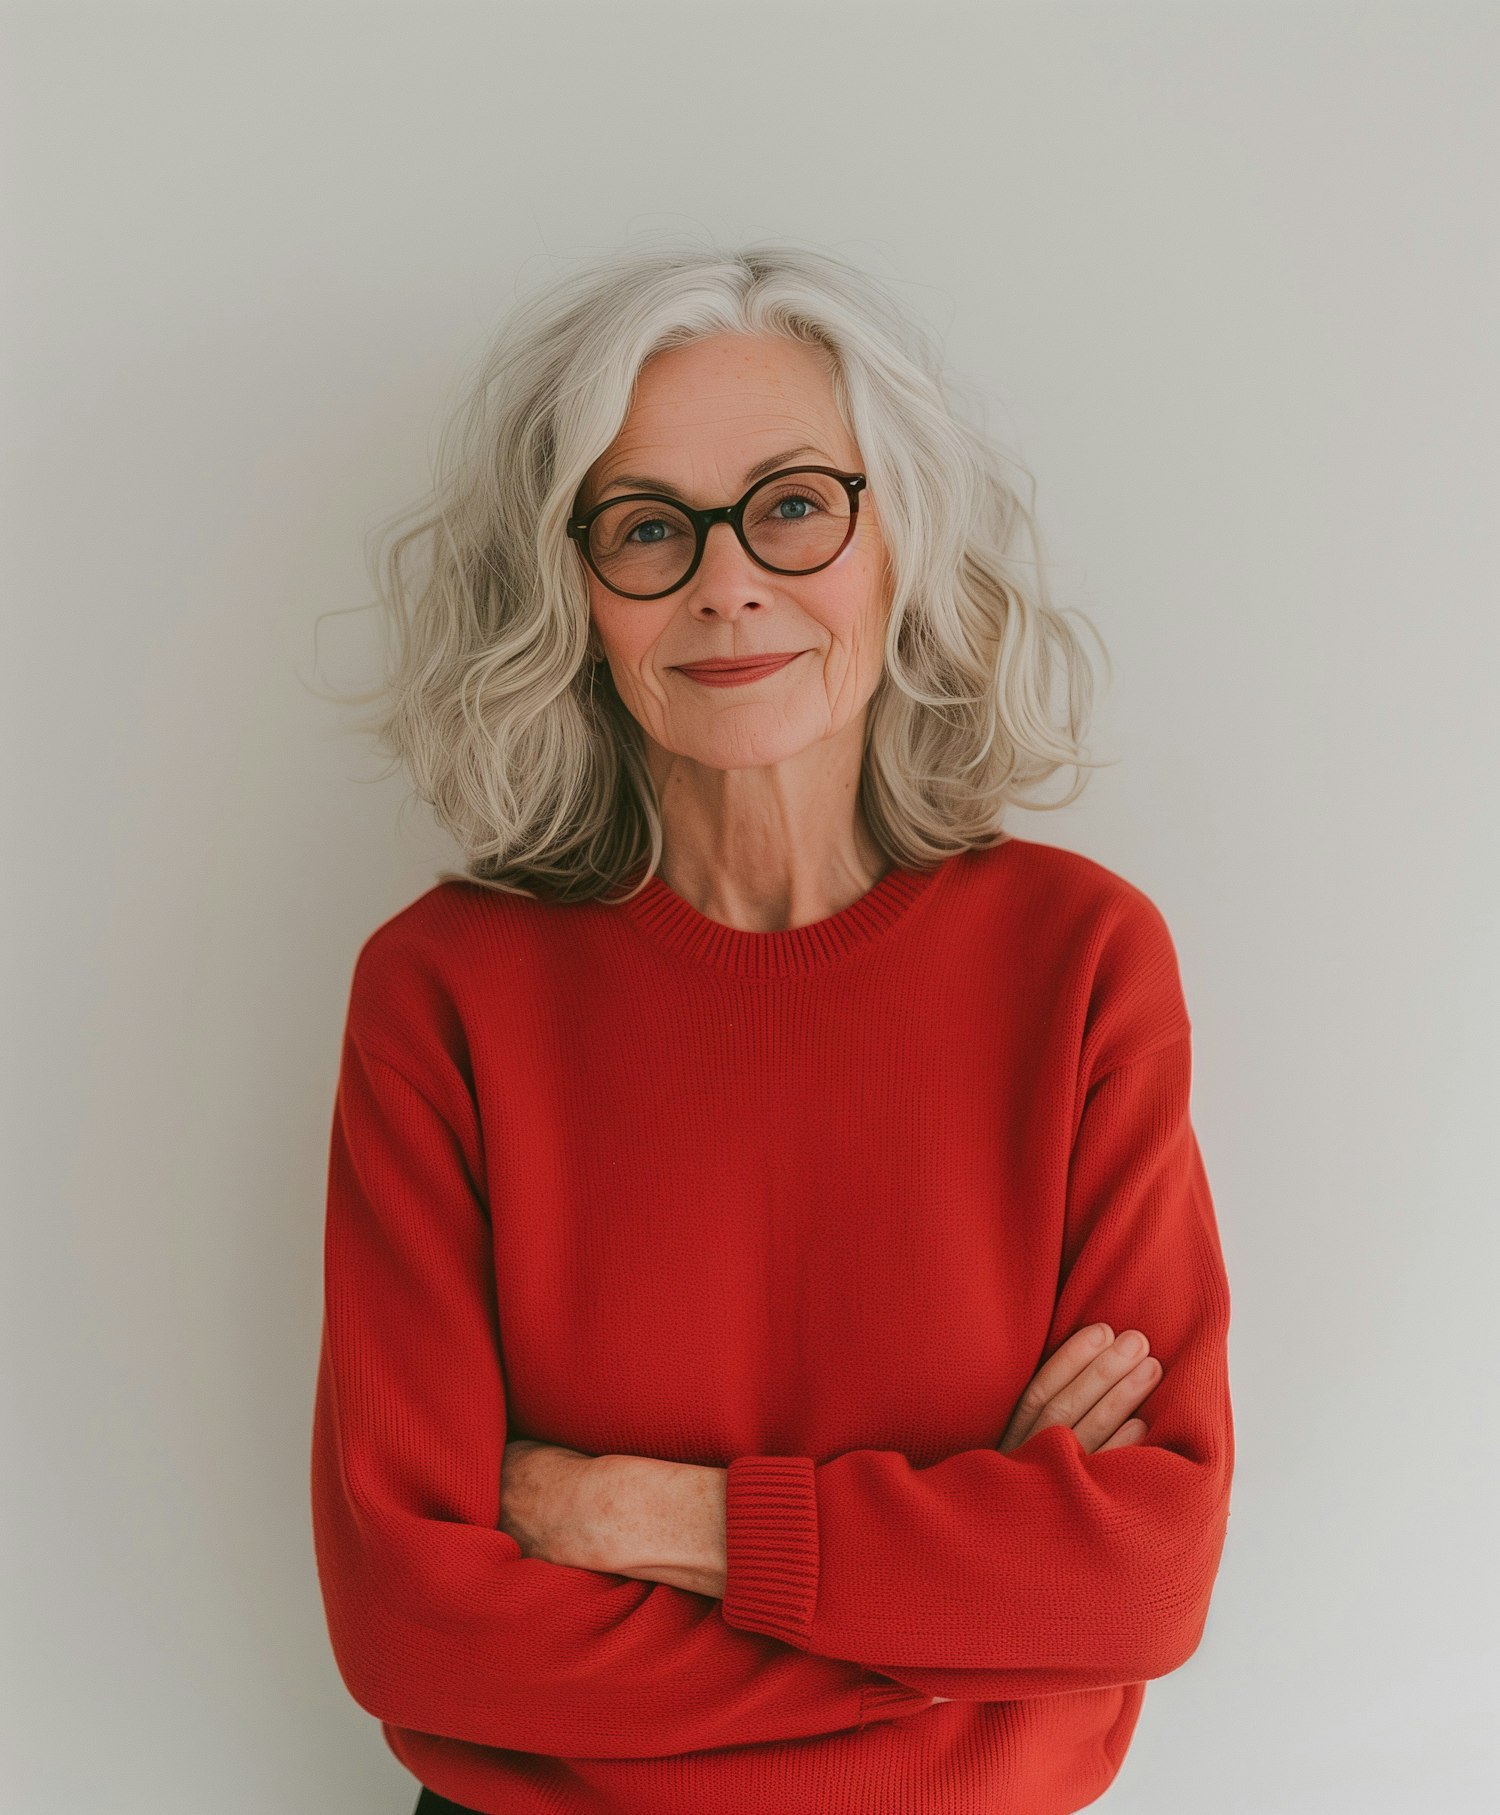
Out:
{"x": 756, "y": 1180}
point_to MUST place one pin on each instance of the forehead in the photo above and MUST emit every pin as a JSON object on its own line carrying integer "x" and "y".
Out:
{"x": 703, "y": 414}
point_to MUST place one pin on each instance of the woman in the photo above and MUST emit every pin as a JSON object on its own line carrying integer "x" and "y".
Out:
{"x": 755, "y": 1179}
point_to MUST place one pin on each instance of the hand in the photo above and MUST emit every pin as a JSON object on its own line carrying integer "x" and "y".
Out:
{"x": 1090, "y": 1384}
{"x": 542, "y": 1499}
{"x": 624, "y": 1515}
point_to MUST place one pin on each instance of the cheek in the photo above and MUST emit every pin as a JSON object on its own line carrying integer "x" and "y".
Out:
{"x": 627, "y": 636}
{"x": 853, "y": 608}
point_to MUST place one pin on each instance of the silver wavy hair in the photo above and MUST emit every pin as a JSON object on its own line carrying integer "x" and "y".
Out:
{"x": 493, "y": 694}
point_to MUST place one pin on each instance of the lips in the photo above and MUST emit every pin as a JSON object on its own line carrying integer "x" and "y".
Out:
{"x": 739, "y": 665}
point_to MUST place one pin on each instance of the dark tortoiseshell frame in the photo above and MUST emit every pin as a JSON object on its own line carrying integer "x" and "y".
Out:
{"x": 704, "y": 520}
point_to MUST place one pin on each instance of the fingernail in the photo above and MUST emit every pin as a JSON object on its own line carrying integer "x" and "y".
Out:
{"x": 1132, "y": 1344}
{"x": 1100, "y": 1333}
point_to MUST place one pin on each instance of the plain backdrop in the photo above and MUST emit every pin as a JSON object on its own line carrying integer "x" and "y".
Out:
{"x": 1224, "y": 277}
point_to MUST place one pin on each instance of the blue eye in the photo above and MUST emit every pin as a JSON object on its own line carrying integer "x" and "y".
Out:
{"x": 649, "y": 523}
{"x": 795, "y": 498}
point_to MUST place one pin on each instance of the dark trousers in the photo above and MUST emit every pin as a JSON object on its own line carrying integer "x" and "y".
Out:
{"x": 430, "y": 1803}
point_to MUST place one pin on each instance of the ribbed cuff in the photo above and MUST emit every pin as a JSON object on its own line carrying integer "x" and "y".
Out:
{"x": 771, "y": 1546}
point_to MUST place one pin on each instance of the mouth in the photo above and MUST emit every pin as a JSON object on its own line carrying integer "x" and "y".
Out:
{"x": 728, "y": 671}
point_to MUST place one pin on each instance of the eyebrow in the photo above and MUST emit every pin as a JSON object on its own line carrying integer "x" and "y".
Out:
{"x": 645, "y": 482}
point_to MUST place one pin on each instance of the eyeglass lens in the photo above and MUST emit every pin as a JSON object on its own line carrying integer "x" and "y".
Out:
{"x": 795, "y": 522}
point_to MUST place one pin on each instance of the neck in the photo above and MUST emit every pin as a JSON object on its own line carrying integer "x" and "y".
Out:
{"x": 768, "y": 848}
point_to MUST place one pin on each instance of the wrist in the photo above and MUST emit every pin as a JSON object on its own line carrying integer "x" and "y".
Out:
{"x": 670, "y": 1521}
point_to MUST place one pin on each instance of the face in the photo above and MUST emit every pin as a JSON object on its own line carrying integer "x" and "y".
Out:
{"x": 702, "y": 416}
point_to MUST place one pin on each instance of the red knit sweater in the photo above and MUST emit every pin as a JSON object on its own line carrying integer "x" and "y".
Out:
{"x": 812, "y": 1206}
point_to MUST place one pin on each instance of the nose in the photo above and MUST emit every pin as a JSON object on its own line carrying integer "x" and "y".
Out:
{"x": 725, "y": 569}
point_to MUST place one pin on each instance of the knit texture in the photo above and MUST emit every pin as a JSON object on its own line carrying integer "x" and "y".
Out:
{"x": 812, "y": 1206}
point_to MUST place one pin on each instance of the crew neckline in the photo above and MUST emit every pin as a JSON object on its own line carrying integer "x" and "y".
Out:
{"x": 671, "y": 920}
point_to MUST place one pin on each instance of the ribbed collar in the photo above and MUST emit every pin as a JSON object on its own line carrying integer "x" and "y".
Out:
{"x": 664, "y": 916}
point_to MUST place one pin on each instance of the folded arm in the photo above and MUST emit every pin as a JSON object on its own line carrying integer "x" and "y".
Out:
{"x": 993, "y": 1575}
{"x": 437, "y": 1620}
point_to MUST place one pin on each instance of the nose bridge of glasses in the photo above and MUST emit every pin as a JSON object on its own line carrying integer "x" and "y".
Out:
{"x": 733, "y": 516}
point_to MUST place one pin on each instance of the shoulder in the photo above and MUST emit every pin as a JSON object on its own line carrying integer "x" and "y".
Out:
{"x": 420, "y": 943}
{"x": 1098, "y": 937}
{"x": 422, "y": 974}
{"x": 450, "y": 928}
{"x": 1068, "y": 891}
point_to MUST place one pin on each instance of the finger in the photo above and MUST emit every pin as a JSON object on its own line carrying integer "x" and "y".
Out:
{"x": 1106, "y": 1415}
{"x": 1131, "y": 1431}
{"x": 1085, "y": 1390}
{"x": 1065, "y": 1362}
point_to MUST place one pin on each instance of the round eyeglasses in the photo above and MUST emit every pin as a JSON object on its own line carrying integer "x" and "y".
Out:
{"x": 647, "y": 544}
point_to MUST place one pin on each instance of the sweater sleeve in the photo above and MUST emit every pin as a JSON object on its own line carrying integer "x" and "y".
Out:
{"x": 438, "y": 1621}
{"x": 1048, "y": 1569}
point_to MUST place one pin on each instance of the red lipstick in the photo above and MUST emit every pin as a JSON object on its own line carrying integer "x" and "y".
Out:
{"x": 736, "y": 670}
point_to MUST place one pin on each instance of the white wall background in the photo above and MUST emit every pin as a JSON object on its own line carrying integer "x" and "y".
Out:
{"x": 1226, "y": 278}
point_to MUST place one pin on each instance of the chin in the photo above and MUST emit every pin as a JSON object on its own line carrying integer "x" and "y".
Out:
{"x": 745, "y": 746}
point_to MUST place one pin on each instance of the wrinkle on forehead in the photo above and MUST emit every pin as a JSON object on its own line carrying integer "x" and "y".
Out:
{"x": 706, "y": 433}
